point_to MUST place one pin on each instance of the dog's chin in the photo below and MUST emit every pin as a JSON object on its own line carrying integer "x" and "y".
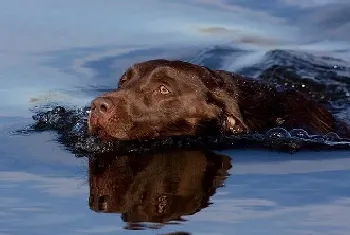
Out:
{"x": 104, "y": 136}
{"x": 101, "y": 134}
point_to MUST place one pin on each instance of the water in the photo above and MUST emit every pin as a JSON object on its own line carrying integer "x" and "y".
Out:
{"x": 60, "y": 53}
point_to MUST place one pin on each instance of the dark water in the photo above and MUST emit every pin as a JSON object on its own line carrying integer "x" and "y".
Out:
{"x": 54, "y": 53}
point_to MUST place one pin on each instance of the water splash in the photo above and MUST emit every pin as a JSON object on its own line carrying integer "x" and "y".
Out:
{"x": 277, "y": 133}
{"x": 71, "y": 125}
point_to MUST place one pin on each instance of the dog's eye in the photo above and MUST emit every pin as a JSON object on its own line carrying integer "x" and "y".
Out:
{"x": 163, "y": 90}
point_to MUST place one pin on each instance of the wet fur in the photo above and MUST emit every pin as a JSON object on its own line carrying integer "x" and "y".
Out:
{"x": 206, "y": 102}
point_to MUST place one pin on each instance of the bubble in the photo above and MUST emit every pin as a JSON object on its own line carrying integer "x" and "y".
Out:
{"x": 277, "y": 133}
{"x": 340, "y": 104}
{"x": 318, "y": 138}
{"x": 87, "y": 110}
{"x": 36, "y": 117}
{"x": 59, "y": 109}
{"x": 331, "y": 136}
{"x": 300, "y": 133}
{"x": 78, "y": 127}
{"x": 294, "y": 145}
{"x": 339, "y": 89}
{"x": 44, "y": 118}
{"x": 53, "y": 118}
{"x": 78, "y": 145}
{"x": 84, "y": 110}
{"x": 46, "y": 109}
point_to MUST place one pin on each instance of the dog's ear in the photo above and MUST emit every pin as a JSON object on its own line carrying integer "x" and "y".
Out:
{"x": 231, "y": 118}
{"x": 224, "y": 93}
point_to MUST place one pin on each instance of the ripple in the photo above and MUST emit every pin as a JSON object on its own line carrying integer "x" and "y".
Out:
{"x": 300, "y": 133}
{"x": 278, "y": 133}
{"x": 71, "y": 125}
{"x": 331, "y": 136}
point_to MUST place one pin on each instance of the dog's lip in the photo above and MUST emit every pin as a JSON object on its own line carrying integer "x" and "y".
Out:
{"x": 101, "y": 134}
{"x": 96, "y": 130}
{"x": 92, "y": 120}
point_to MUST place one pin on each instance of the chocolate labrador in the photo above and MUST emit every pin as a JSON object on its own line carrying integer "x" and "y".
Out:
{"x": 160, "y": 98}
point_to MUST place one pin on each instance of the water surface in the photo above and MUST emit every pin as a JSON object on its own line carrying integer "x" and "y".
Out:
{"x": 67, "y": 53}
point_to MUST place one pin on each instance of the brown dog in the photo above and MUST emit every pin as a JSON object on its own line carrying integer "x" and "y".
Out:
{"x": 161, "y": 98}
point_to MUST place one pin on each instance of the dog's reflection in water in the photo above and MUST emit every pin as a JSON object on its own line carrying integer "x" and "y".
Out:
{"x": 155, "y": 188}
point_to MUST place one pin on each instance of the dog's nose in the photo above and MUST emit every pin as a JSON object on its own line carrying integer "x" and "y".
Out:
{"x": 101, "y": 106}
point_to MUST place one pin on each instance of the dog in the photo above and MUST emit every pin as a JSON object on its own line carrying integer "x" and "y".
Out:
{"x": 161, "y": 98}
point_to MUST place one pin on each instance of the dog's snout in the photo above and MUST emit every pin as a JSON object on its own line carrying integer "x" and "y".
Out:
{"x": 101, "y": 106}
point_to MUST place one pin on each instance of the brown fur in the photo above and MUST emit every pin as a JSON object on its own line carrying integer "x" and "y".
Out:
{"x": 200, "y": 101}
{"x": 155, "y": 188}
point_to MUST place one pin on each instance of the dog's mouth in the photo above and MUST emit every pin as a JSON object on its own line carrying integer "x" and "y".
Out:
{"x": 100, "y": 133}
{"x": 235, "y": 125}
{"x": 96, "y": 130}
{"x": 103, "y": 135}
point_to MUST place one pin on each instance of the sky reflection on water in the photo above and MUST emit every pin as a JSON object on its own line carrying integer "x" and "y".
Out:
{"x": 60, "y": 51}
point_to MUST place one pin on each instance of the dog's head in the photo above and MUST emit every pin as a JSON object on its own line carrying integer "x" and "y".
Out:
{"x": 161, "y": 98}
